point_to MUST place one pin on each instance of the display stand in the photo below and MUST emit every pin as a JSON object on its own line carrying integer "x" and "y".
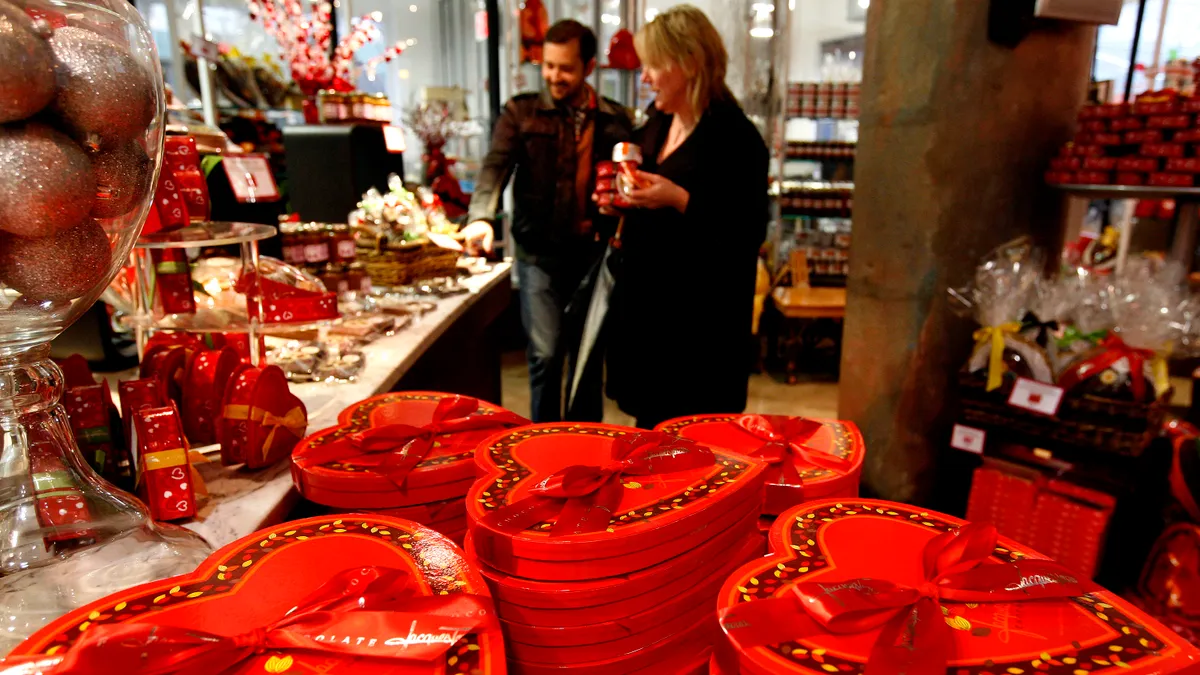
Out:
{"x": 200, "y": 235}
{"x": 1187, "y": 205}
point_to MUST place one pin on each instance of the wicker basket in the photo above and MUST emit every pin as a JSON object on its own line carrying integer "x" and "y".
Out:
{"x": 402, "y": 264}
{"x": 1083, "y": 421}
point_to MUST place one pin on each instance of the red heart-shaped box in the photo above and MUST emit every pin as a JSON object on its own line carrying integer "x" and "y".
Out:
{"x": 169, "y": 364}
{"x": 446, "y": 473}
{"x": 659, "y": 517}
{"x": 448, "y": 517}
{"x": 261, "y": 419}
{"x": 831, "y": 542}
{"x": 207, "y": 377}
{"x": 840, "y": 440}
{"x": 255, "y": 581}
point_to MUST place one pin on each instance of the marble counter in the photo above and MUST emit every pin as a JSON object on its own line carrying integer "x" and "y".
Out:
{"x": 242, "y": 501}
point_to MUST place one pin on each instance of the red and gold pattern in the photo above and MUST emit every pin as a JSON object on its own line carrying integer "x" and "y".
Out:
{"x": 881, "y": 542}
{"x": 366, "y": 480}
{"x": 654, "y": 512}
{"x": 252, "y": 582}
{"x": 810, "y": 459}
{"x": 261, "y": 420}
{"x": 165, "y": 476}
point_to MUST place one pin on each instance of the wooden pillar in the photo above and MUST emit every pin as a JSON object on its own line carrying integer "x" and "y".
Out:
{"x": 955, "y": 135}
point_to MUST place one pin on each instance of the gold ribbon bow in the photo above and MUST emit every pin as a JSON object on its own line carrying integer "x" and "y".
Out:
{"x": 1110, "y": 237}
{"x": 996, "y": 335}
{"x": 295, "y": 421}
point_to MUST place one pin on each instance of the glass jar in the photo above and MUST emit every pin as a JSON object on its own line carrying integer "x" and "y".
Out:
{"x": 316, "y": 245}
{"x": 334, "y": 278}
{"x": 344, "y": 248}
{"x": 61, "y": 244}
{"x": 357, "y": 278}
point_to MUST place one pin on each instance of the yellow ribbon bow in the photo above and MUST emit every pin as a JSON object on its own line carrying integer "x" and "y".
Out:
{"x": 295, "y": 421}
{"x": 1110, "y": 237}
{"x": 996, "y": 335}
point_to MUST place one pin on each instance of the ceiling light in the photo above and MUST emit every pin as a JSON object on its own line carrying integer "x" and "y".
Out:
{"x": 762, "y": 33}
{"x": 864, "y": 3}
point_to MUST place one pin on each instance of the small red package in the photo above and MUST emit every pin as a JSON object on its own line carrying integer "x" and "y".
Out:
{"x": 1172, "y": 180}
{"x": 61, "y": 507}
{"x": 1162, "y": 149}
{"x": 1065, "y": 163}
{"x": 173, "y": 281}
{"x": 1095, "y": 126}
{"x": 1059, "y": 177}
{"x": 1093, "y": 177}
{"x": 1099, "y": 163}
{"x": 1087, "y": 150}
{"x": 91, "y": 413}
{"x": 1143, "y": 136}
{"x": 1130, "y": 178}
{"x": 1170, "y": 122}
{"x": 165, "y": 477}
{"x": 261, "y": 419}
{"x": 209, "y": 373}
{"x": 1107, "y": 139}
{"x": 1126, "y": 124}
{"x": 1156, "y": 107}
{"x": 1186, "y": 136}
{"x": 1139, "y": 164}
{"x": 1183, "y": 165}
{"x": 136, "y": 395}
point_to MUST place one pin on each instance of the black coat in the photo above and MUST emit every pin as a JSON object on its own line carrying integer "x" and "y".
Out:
{"x": 680, "y": 324}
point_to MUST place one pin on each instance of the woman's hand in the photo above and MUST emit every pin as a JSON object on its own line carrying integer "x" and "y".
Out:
{"x": 479, "y": 237}
{"x": 658, "y": 193}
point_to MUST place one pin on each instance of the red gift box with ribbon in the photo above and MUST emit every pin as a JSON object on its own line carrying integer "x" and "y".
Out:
{"x": 136, "y": 395}
{"x": 173, "y": 281}
{"x": 92, "y": 415}
{"x": 396, "y": 450}
{"x": 202, "y": 396}
{"x": 361, "y": 594}
{"x": 61, "y": 507}
{"x": 807, "y": 459}
{"x": 885, "y": 588}
{"x": 283, "y": 303}
{"x": 169, "y": 364}
{"x": 165, "y": 480}
{"x": 261, "y": 419}
{"x": 570, "y": 502}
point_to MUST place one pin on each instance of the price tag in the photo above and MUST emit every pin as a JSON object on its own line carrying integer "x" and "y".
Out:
{"x": 393, "y": 138}
{"x": 205, "y": 49}
{"x": 251, "y": 179}
{"x": 968, "y": 439}
{"x": 1035, "y": 396}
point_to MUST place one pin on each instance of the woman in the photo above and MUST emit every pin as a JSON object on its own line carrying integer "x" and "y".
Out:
{"x": 680, "y": 325}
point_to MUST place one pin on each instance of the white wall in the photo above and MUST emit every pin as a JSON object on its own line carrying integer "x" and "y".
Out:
{"x": 813, "y": 22}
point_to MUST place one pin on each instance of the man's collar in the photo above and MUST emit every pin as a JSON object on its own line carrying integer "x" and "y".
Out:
{"x": 547, "y": 103}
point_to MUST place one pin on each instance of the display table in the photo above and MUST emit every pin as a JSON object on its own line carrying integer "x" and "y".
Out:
{"x": 802, "y": 308}
{"x": 447, "y": 346}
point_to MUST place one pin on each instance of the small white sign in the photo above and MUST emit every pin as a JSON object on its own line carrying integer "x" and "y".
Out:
{"x": 967, "y": 438}
{"x": 393, "y": 138}
{"x": 251, "y": 179}
{"x": 205, "y": 49}
{"x": 1035, "y": 396}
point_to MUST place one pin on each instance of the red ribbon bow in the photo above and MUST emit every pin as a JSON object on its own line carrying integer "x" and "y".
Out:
{"x": 915, "y": 639}
{"x": 394, "y": 450}
{"x": 784, "y": 441}
{"x": 378, "y": 604}
{"x": 582, "y": 499}
{"x": 1115, "y": 349}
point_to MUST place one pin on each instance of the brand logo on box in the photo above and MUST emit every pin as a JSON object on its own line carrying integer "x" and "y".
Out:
{"x": 448, "y": 636}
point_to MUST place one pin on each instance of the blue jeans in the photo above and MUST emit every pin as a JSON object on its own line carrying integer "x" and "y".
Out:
{"x": 544, "y": 296}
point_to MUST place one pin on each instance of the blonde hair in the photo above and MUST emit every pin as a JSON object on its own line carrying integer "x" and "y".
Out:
{"x": 683, "y": 36}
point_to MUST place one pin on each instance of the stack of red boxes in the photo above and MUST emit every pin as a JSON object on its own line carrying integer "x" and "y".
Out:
{"x": 1060, "y": 519}
{"x": 408, "y": 455}
{"x": 1155, "y": 141}
{"x": 605, "y": 546}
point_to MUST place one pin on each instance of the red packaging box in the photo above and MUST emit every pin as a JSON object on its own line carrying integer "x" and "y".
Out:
{"x": 1099, "y": 163}
{"x": 169, "y": 364}
{"x": 1186, "y": 136}
{"x": 95, "y": 425}
{"x": 1126, "y": 124}
{"x": 1065, "y": 163}
{"x": 1095, "y": 126}
{"x": 1093, "y": 177}
{"x": 164, "y": 471}
{"x": 1170, "y": 122}
{"x": 1143, "y": 136}
{"x": 1139, "y": 164}
{"x": 1059, "y": 177}
{"x": 61, "y": 506}
{"x": 1172, "y": 180}
{"x": 657, "y": 658}
{"x": 173, "y": 281}
{"x": 403, "y": 589}
{"x": 1088, "y": 150}
{"x": 396, "y": 450}
{"x": 1005, "y": 494}
{"x": 809, "y": 459}
{"x": 880, "y": 569}
{"x": 1190, "y": 105}
{"x": 1089, "y": 112}
{"x": 202, "y": 397}
{"x": 1148, "y": 108}
{"x": 1129, "y": 178}
{"x": 261, "y": 419}
{"x": 1106, "y": 139}
{"x": 1111, "y": 110}
{"x": 635, "y": 498}
{"x": 1162, "y": 150}
{"x": 1069, "y": 525}
{"x": 1183, "y": 165}
{"x": 136, "y": 395}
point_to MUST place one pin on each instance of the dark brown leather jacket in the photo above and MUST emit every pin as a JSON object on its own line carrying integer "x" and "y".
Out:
{"x": 534, "y": 143}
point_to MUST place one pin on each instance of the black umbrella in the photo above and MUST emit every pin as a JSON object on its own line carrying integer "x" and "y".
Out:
{"x": 589, "y": 307}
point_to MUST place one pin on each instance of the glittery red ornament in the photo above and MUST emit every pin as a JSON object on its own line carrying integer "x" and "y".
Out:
{"x": 27, "y": 76}
{"x": 63, "y": 266}
{"x": 103, "y": 94}
{"x": 122, "y": 179}
{"x": 46, "y": 180}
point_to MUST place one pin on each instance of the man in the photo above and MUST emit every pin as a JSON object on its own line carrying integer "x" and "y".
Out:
{"x": 553, "y": 141}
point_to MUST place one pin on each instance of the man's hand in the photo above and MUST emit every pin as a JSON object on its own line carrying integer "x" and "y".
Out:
{"x": 479, "y": 236}
{"x": 658, "y": 193}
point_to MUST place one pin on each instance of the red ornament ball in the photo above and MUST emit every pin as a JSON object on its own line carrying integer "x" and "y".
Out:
{"x": 122, "y": 179}
{"x": 46, "y": 181}
{"x": 104, "y": 95}
{"x": 63, "y": 266}
{"x": 27, "y": 77}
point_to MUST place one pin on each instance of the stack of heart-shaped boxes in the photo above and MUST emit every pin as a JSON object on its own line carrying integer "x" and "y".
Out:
{"x": 405, "y": 454}
{"x": 584, "y": 588}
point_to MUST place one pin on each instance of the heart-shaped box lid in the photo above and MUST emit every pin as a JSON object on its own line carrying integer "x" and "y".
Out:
{"x": 839, "y": 545}
{"x": 652, "y": 509}
{"x": 261, "y": 419}
{"x": 455, "y": 424}
{"x": 255, "y": 582}
{"x": 827, "y": 458}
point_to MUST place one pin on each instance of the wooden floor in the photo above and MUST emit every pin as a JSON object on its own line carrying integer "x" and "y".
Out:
{"x": 767, "y": 395}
